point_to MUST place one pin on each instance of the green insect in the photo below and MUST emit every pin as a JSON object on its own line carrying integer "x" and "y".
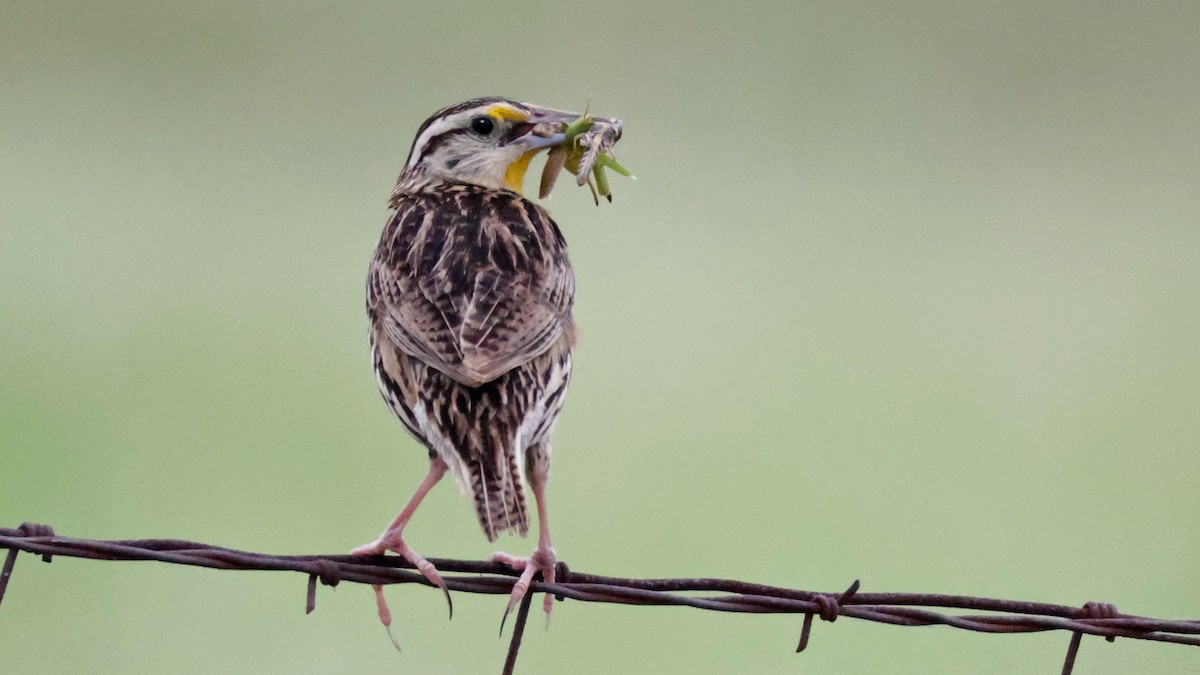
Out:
{"x": 586, "y": 153}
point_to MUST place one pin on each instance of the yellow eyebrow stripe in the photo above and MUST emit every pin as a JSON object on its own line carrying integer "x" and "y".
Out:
{"x": 507, "y": 113}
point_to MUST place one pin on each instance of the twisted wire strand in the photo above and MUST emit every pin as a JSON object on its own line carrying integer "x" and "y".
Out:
{"x": 723, "y": 595}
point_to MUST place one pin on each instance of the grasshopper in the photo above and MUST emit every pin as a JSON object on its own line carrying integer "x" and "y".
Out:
{"x": 586, "y": 153}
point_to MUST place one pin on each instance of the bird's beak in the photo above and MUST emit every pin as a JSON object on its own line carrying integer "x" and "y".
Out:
{"x": 542, "y": 129}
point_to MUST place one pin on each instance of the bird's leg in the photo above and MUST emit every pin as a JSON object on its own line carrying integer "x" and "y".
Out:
{"x": 543, "y": 558}
{"x": 392, "y": 539}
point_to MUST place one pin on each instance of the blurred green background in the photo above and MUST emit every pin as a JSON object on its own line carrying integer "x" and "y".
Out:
{"x": 906, "y": 292}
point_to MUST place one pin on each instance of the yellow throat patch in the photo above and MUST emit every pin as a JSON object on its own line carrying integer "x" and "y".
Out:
{"x": 514, "y": 176}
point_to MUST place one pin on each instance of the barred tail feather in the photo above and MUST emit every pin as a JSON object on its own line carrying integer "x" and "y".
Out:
{"x": 499, "y": 496}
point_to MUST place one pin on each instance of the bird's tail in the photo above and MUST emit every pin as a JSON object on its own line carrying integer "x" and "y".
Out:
{"x": 499, "y": 495}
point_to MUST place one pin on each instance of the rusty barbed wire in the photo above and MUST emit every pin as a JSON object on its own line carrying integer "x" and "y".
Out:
{"x": 899, "y": 609}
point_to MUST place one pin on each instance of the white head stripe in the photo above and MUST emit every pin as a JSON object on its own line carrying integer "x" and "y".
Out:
{"x": 436, "y": 129}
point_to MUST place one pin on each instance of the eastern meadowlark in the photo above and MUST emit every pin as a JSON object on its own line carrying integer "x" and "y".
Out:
{"x": 469, "y": 299}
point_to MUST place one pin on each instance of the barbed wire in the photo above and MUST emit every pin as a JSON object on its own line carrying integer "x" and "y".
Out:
{"x": 899, "y": 609}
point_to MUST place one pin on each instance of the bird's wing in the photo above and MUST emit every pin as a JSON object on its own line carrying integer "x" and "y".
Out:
{"x": 479, "y": 298}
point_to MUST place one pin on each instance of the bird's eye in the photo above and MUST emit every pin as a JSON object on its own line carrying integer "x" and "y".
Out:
{"x": 482, "y": 125}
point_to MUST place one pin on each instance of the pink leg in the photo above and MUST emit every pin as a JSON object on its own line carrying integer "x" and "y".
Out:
{"x": 543, "y": 558}
{"x": 392, "y": 539}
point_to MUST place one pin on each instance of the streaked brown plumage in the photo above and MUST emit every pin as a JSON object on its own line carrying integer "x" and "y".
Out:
{"x": 469, "y": 299}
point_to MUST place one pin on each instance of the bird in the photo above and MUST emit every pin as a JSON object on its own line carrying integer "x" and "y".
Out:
{"x": 469, "y": 297}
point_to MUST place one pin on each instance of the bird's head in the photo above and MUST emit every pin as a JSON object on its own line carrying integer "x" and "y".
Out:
{"x": 484, "y": 141}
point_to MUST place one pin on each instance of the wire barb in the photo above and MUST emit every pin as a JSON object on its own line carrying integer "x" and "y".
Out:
{"x": 1090, "y": 610}
{"x": 514, "y": 645}
{"x": 1072, "y": 651}
{"x": 10, "y": 560}
{"x": 829, "y": 607}
{"x": 986, "y": 615}
{"x": 325, "y": 570}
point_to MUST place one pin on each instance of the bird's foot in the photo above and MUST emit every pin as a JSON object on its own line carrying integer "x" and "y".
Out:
{"x": 394, "y": 542}
{"x": 542, "y": 560}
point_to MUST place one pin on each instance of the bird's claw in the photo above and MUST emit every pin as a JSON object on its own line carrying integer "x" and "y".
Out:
{"x": 398, "y": 546}
{"x": 542, "y": 560}
{"x": 385, "y": 615}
